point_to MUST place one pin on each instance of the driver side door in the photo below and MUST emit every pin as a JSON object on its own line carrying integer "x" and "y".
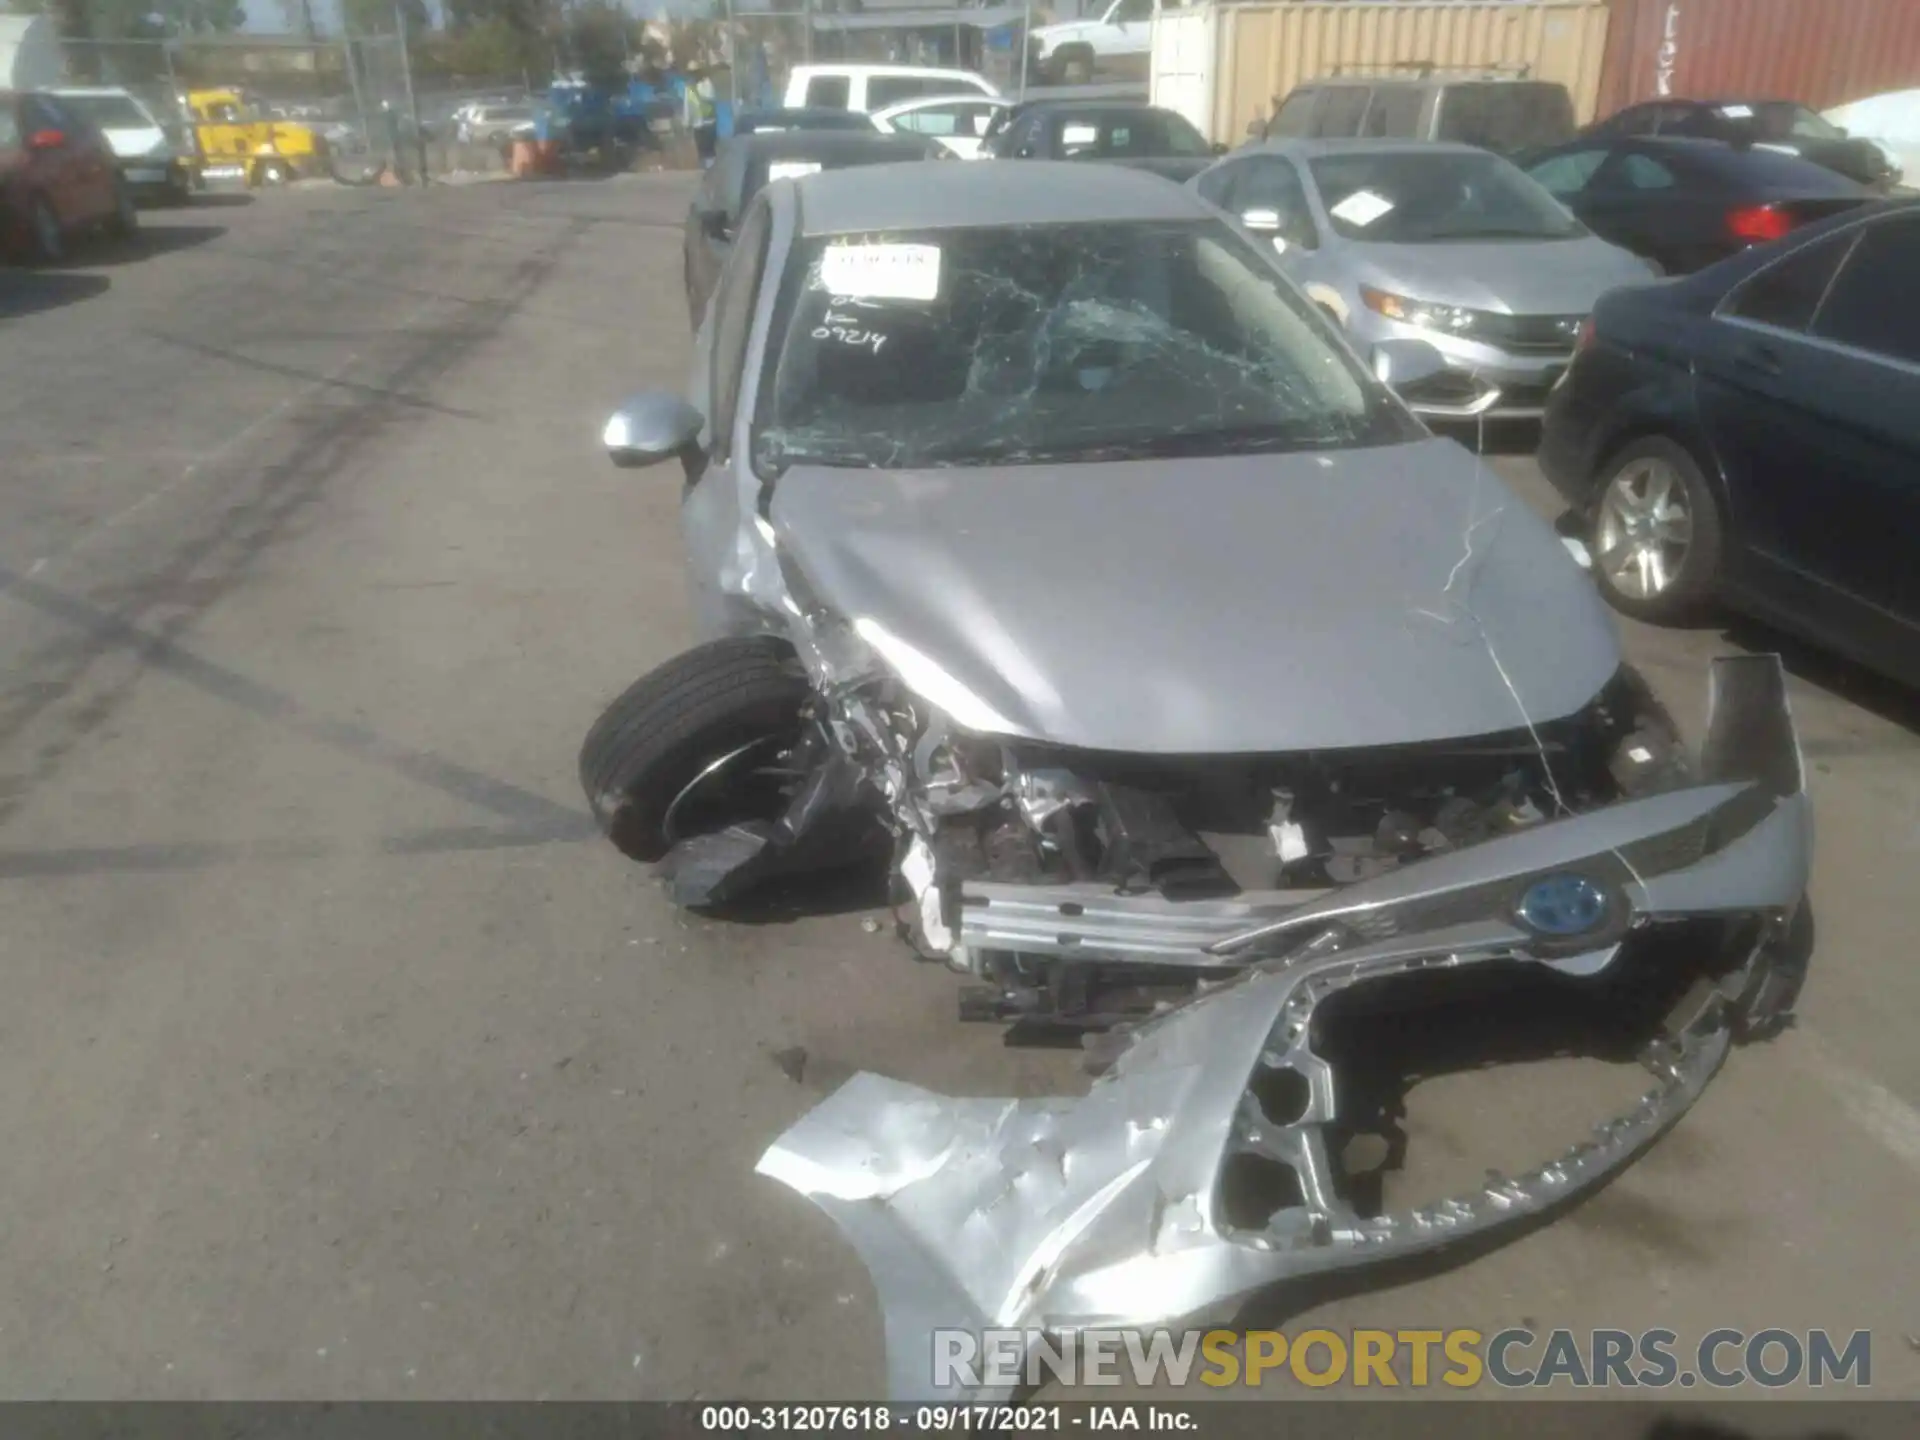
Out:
{"x": 715, "y": 521}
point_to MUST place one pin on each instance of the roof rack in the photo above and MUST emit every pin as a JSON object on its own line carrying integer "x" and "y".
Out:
{"x": 1429, "y": 69}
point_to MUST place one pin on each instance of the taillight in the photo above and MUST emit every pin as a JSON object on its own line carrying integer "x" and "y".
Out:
{"x": 1759, "y": 222}
{"x": 1583, "y": 337}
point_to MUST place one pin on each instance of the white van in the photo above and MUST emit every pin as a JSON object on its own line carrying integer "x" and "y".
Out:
{"x": 867, "y": 88}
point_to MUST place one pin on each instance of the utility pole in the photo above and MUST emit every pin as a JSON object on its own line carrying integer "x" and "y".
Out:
{"x": 413, "y": 100}
{"x": 806, "y": 42}
{"x": 1020, "y": 60}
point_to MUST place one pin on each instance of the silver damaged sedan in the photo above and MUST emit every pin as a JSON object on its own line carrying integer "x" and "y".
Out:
{"x": 1057, "y": 557}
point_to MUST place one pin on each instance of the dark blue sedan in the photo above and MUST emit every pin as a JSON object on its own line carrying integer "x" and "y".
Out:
{"x": 1751, "y": 435}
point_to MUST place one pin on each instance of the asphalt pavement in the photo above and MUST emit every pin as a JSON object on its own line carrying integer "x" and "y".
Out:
{"x": 339, "y": 1057}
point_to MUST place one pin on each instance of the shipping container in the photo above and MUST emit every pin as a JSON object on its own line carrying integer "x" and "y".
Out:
{"x": 1224, "y": 66}
{"x": 1820, "y": 52}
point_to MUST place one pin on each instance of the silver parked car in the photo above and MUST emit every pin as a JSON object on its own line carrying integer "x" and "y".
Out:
{"x": 1441, "y": 243}
{"x": 1044, "y": 534}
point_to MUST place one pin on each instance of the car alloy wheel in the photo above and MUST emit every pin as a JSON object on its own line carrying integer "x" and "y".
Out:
{"x": 1644, "y": 529}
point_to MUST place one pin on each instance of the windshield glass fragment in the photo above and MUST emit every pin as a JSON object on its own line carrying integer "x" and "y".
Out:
{"x": 1055, "y": 342}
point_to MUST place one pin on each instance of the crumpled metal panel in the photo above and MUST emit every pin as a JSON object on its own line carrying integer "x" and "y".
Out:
{"x": 1111, "y": 1211}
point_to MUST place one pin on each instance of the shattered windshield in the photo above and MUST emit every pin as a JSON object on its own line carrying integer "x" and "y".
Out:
{"x": 1405, "y": 197}
{"x": 1031, "y": 343}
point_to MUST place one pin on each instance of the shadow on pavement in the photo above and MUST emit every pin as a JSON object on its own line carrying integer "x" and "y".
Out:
{"x": 214, "y": 200}
{"x": 155, "y": 238}
{"x": 24, "y": 291}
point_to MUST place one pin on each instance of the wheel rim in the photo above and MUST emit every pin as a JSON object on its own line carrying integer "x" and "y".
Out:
{"x": 1645, "y": 529}
{"x": 46, "y": 231}
{"x": 753, "y": 781}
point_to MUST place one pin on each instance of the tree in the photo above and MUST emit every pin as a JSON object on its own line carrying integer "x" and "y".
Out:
{"x": 375, "y": 17}
{"x": 601, "y": 38}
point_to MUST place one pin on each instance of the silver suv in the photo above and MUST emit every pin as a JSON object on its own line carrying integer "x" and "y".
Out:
{"x": 1502, "y": 114}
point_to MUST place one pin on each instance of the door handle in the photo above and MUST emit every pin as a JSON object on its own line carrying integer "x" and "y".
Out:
{"x": 1759, "y": 357}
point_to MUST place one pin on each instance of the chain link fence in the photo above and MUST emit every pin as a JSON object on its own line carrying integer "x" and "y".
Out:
{"x": 271, "y": 110}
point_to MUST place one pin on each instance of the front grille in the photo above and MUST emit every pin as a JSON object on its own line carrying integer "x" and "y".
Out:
{"x": 1531, "y": 334}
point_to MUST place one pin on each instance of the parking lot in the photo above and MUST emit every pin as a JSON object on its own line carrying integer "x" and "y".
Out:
{"x": 342, "y": 1058}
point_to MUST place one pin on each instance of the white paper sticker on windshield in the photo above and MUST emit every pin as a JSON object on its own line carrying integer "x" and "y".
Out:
{"x": 1737, "y": 112}
{"x": 881, "y": 272}
{"x": 1362, "y": 208}
{"x": 790, "y": 169}
{"x": 1079, "y": 134}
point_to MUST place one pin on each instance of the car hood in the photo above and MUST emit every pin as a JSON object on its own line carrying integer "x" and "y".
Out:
{"x": 1241, "y": 604}
{"x": 1514, "y": 277}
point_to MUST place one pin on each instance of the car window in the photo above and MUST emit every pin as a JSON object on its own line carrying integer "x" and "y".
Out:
{"x": 1565, "y": 175}
{"x": 1129, "y": 11}
{"x": 37, "y": 112}
{"x": 1505, "y": 115}
{"x": 1274, "y": 184}
{"x": 1395, "y": 112}
{"x": 1874, "y": 305}
{"x": 885, "y": 90}
{"x": 1786, "y": 120}
{"x": 1636, "y": 172}
{"x": 1785, "y": 295}
{"x": 1022, "y": 135}
{"x": 1026, "y": 344}
{"x": 1341, "y": 107}
{"x": 733, "y": 321}
{"x": 1414, "y": 196}
{"x": 1635, "y": 120}
{"x": 1294, "y": 117}
{"x": 113, "y": 112}
{"x": 830, "y": 92}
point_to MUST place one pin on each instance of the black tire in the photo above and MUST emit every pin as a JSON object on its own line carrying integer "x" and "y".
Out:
{"x": 125, "y": 223}
{"x": 1698, "y": 569}
{"x": 46, "y": 242}
{"x": 674, "y": 722}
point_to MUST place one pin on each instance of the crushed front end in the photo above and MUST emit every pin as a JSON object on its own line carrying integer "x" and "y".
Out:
{"x": 1201, "y": 1166}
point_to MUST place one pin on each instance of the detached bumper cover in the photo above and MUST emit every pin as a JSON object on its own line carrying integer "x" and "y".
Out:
{"x": 1114, "y": 1210}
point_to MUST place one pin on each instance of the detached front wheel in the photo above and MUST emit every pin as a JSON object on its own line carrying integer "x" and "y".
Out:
{"x": 705, "y": 741}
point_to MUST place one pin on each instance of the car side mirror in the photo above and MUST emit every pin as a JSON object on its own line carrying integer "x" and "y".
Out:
{"x": 651, "y": 427}
{"x": 1400, "y": 364}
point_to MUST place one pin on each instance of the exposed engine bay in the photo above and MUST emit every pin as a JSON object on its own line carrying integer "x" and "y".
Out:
{"x": 1084, "y": 889}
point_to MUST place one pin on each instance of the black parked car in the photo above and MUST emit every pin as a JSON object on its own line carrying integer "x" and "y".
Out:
{"x": 747, "y": 162}
{"x": 1684, "y": 204}
{"x": 1121, "y": 132}
{"x": 1782, "y": 125}
{"x": 1751, "y": 434}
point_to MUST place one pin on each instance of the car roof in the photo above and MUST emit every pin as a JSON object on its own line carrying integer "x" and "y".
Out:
{"x": 943, "y": 196}
{"x": 829, "y": 144}
{"x": 1731, "y": 159}
{"x": 923, "y": 71}
{"x": 1304, "y": 149}
{"x": 1120, "y": 102}
{"x": 972, "y": 97}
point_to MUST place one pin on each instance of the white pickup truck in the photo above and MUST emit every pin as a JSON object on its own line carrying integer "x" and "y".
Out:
{"x": 1119, "y": 42}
